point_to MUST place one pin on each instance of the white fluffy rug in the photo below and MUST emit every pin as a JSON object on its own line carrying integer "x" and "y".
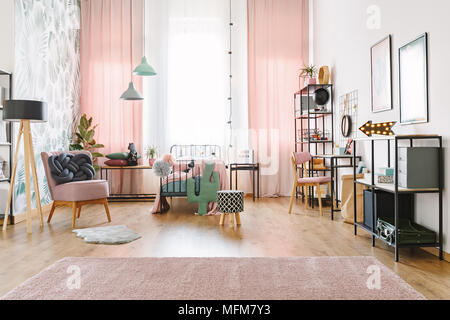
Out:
{"x": 107, "y": 235}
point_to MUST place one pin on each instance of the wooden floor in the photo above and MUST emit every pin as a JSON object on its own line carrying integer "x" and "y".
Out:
{"x": 267, "y": 231}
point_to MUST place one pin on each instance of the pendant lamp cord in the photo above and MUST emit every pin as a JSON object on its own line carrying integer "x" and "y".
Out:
{"x": 131, "y": 39}
{"x": 145, "y": 29}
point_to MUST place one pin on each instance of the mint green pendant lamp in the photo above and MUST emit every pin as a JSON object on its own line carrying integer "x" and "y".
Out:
{"x": 144, "y": 69}
{"x": 131, "y": 94}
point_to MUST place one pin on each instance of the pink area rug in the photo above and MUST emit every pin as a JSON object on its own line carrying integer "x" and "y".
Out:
{"x": 316, "y": 278}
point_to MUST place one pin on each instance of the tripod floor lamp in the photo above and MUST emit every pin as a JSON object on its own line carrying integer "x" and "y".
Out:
{"x": 25, "y": 112}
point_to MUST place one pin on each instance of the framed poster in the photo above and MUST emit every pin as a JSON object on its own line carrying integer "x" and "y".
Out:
{"x": 381, "y": 70}
{"x": 413, "y": 81}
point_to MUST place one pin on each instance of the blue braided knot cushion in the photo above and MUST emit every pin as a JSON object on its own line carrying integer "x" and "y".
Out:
{"x": 67, "y": 167}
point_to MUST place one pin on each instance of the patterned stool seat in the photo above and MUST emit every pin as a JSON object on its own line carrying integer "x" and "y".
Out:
{"x": 230, "y": 202}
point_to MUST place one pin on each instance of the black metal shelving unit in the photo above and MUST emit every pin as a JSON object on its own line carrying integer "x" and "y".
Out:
{"x": 396, "y": 190}
{"x": 317, "y": 117}
{"x": 9, "y": 142}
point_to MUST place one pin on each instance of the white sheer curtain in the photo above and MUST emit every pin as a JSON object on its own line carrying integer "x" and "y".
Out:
{"x": 187, "y": 42}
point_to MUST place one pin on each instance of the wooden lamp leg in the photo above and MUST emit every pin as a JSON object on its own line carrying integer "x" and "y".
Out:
{"x": 29, "y": 164}
{"x": 13, "y": 177}
{"x": 26, "y": 140}
{"x": 35, "y": 177}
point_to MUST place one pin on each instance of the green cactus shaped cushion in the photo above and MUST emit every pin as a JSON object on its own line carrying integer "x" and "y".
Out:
{"x": 209, "y": 185}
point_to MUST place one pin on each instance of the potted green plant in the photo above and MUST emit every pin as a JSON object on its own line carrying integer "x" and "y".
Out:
{"x": 85, "y": 139}
{"x": 151, "y": 153}
{"x": 309, "y": 73}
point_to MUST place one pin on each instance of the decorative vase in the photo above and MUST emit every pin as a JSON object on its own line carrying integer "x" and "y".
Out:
{"x": 151, "y": 162}
{"x": 324, "y": 75}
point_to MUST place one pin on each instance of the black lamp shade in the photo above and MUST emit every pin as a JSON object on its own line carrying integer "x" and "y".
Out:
{"x": 17, "y": 110}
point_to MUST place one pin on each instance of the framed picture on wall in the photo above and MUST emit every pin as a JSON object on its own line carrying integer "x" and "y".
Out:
{"x": 413, "y": 81}
{"x": 381, "y": 70}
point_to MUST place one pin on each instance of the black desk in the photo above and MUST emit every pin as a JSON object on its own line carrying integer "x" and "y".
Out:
{"x": 253, "y": 167}
{"x": 334, "y": 167}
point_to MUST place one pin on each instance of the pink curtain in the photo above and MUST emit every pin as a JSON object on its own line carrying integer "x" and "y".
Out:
{"x": 106, "y": 69}
{"x": 108, "y": 33}
{"x": 275, "y": 33}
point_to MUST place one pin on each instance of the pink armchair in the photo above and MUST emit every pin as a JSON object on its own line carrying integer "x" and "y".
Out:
{"x": 75, "y": 194}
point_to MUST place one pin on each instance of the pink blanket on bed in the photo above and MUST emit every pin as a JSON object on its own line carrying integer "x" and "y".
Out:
{"x": 219, "y": 166}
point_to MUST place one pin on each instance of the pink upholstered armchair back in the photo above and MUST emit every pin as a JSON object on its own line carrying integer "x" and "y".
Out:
{"x": 301, "y": 157}
{"x": 45, "y": 156}
{"x": 297, "y": 159}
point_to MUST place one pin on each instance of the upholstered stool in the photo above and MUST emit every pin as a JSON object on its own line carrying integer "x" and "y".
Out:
{"x": 232, "y": 203}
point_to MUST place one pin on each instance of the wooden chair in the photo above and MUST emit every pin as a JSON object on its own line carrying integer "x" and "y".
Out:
{"x": 302, "y": 158}
{"x": 75, "y": 194}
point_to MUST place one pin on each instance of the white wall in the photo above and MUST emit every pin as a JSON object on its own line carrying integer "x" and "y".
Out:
{"x": 7, "y": 35}
{"x": 343, "y": 41}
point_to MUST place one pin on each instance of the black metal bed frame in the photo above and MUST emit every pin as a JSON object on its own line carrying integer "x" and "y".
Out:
{"x": 186, "y": 155}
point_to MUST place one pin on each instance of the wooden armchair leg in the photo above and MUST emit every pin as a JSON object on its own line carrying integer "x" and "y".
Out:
{"x": 74, "y": 214}
{"x": 306, "y": 197}
{"x": 291, "y": 203}
{"x": 107, "y": 209}
{"x": 79, "y": 212}
{"x": 319, "y": 196}
{"x": 51, "y": 212}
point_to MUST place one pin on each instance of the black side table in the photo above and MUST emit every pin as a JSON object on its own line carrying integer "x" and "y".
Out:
{"x": 253, "y": 167}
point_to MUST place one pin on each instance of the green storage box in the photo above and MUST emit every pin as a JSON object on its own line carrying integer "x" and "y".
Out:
{"x": 408, "y": 231}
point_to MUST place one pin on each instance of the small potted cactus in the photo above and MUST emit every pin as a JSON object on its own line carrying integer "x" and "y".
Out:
{"x": 152, "y": 153}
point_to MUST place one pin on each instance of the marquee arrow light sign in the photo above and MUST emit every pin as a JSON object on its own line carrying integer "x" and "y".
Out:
{"x": 383, "y": 128}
